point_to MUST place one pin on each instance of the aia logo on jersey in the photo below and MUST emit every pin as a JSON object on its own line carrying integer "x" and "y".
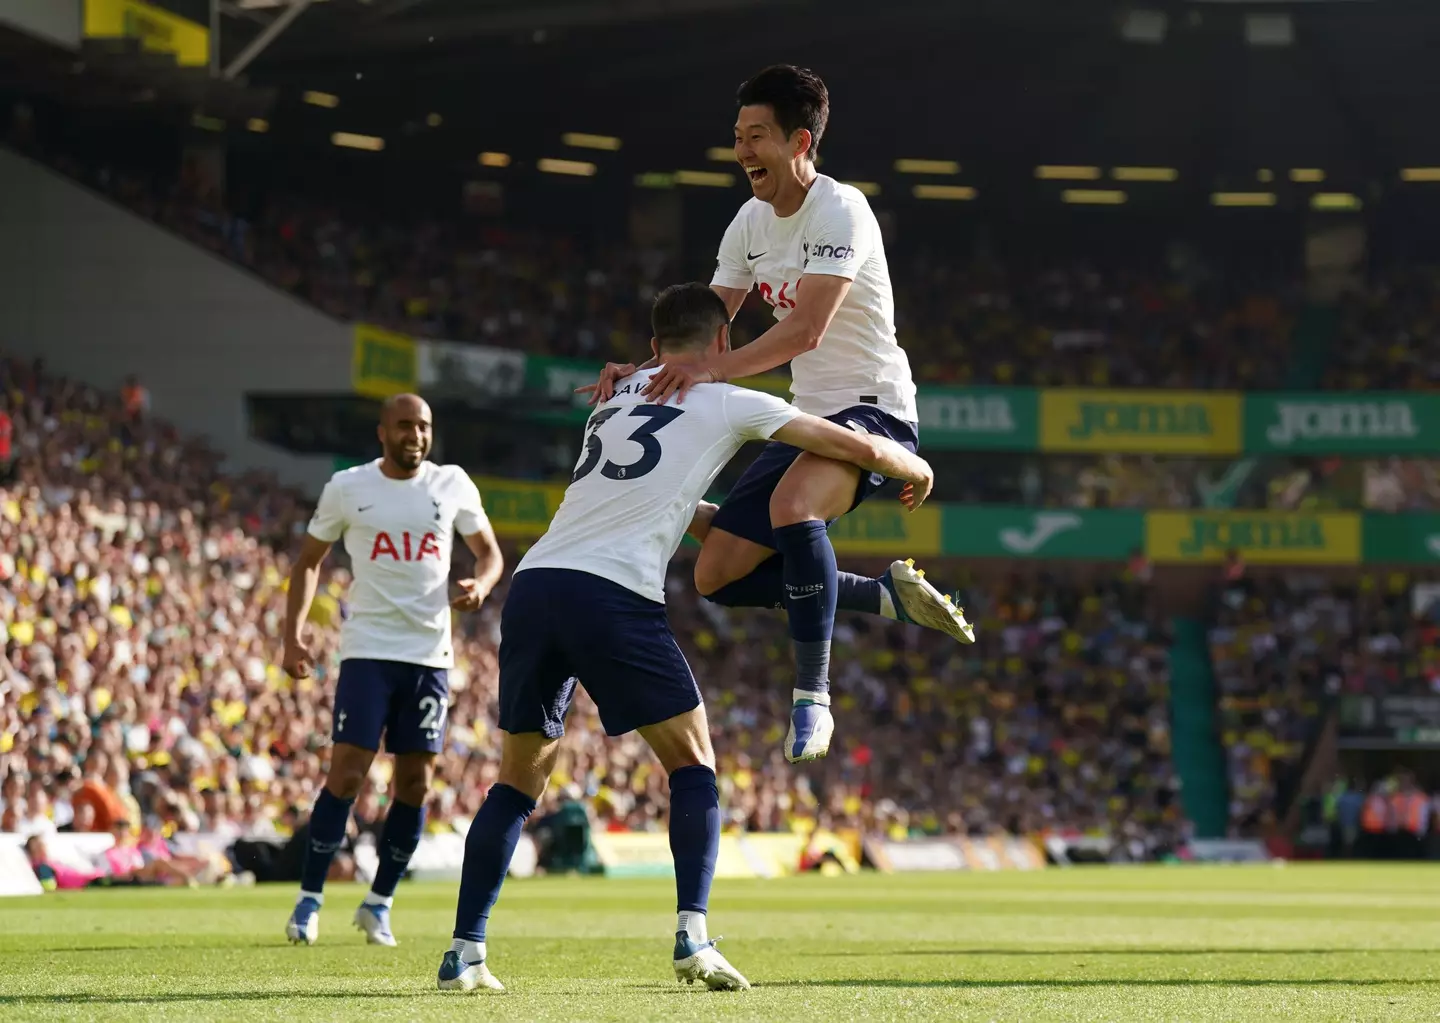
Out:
{"x": 412, "y": 548}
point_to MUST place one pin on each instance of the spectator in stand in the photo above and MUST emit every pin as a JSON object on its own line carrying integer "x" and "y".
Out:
{"x": 143, "y": 603}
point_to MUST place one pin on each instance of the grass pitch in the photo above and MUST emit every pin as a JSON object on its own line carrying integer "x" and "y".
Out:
{"x": 1151, "y": 943}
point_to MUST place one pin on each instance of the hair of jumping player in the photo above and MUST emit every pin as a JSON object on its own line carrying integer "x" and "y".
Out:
{"x": 687, "y": 316}
{"x": 796, "y": 94}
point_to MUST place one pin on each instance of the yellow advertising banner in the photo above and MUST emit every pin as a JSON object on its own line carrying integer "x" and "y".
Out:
{"x": 881, "y": 526}
{"x": 518, "y": 509}
{"x": 383, "y": 362}
{"x": 1261, "y": 537}
{"x": 1140, "y": 422}
{"x": 155, "y": 29}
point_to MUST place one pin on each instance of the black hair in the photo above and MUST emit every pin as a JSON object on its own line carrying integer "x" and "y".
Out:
{"x": 796, "y": 94}
{"x": 687, "y": 315}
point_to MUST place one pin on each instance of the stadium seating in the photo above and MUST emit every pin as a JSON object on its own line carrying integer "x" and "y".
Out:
{"x": 142, "y": 599}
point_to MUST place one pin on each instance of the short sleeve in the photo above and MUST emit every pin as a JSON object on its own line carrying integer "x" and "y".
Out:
{"x": 328, "y": 523}
{"x": 732, "y": 269}
{"x": 755, "y": 415}
{"x": 470, "y": 518}
{"x": 839, "y": 239}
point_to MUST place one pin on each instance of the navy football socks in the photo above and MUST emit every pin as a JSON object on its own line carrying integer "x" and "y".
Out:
{"x": 694, "y": 835}
{"x": 403, "y": 826}
{"x": 489, "y": 847}
{"x": 811, "y": 591}
{"x": 327, "y": 834}
{"x": 765, "y": 587}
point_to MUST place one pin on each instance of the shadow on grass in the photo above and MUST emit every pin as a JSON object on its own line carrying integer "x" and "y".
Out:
{"x": 880, "y": 954}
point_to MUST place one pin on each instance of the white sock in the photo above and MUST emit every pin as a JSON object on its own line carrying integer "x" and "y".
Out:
{"x": 372, "y": 899}
{"x": 887, "y": 604}
{"x": 470, "y": 951}
{"x": 796, "y": 695}
{"x": 692, "y": 922}
{"x": 319, "y": 897}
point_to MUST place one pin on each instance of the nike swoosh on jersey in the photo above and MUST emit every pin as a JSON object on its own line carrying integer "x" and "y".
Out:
{"x": 755, "y": 256}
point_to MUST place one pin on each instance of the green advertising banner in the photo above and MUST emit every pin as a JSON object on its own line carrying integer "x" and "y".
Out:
{"x": 1342, "y": 424}
{"x": 1097, "y": 534}
{"x": 979, "y": 418}
{"x": 1411, "y": 539}
{"x": 1216, "y": 423}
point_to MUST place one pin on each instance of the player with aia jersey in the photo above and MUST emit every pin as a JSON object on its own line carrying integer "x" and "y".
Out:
{"x": 399, "y": 516}
{"x": 588, "y": 602}
{"x": 814, "y": 248}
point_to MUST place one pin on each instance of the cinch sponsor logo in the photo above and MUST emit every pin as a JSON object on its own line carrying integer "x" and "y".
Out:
{"x": 828, "y": 251}
{"x": 1328, "y": 420}
{"x": 1172, "y": 419}
{"x": 1294, "y": 533}
{"x": 990, "y": 414}
{"x": 411, "y": 548}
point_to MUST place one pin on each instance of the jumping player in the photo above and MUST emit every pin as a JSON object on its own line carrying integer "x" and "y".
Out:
{"x": 636, "y": 487}
{"x": 814, "y": 247}
{"x": 399, "y": 516}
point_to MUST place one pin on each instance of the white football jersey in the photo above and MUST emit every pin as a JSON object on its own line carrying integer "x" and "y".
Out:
{"x": 644, "y": 469}
{"x": 399, "y": 534}
{"x": 859, "y": 361}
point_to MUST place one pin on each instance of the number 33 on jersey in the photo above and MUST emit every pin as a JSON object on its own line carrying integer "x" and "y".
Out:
{"x": 643, "y": 470}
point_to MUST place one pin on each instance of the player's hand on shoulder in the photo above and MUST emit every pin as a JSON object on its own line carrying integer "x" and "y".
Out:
{"x": 676, "y": 381}
{"x": 913, "y": 495}
{"x": 297, "y": 660}
{"x": 603, "y": 389}
{"x": 471, "y": 596}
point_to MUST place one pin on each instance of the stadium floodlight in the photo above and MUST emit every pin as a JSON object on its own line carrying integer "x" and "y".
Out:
{"x": 960, "y": 193}
{"x": 871, "y": 188}
{"x": 320, "y": 99}
{"x": 720, "y": 154}
{"x": 584, "y": 140}
{"x": 494, "y": 159}
{"x": 574, "y": 168}
{"x": 1243, "y": 199}
{"x": 350, "y": 140}
{"x": 1265, "y": 175}
{"x": 434, "y": 120}
{"x": 1066, "y": 172}
{"x": 1334, "y": 201}
{"x": 1093, "y": 197}
{"x": 1144, "y": 26}
{"x": 705, "y": 179}
{"x": 927, "y": 166}
{"x": 1420, "y": 174}
{"x": 1307, "y": 175}
{"x": 655, "y": 179}
{"x": 258, "y": 125}
{"x": 1144, "y": 173}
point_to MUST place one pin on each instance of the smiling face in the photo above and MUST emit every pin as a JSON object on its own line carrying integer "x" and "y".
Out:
{"x": 767, "y": 155}
{"x": 405, "y": 432}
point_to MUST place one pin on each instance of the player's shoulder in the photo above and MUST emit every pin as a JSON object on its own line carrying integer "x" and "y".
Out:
{"x": 832, "y": 193}
{"x": 348, "y": 477}
{"x": 751, "y": 211}
{"x": 450, "y": 475}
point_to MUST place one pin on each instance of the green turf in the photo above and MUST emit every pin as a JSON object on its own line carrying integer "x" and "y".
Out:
{"x": 1152, "y": 943}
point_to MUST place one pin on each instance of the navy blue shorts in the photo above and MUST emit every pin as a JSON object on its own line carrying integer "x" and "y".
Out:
{"x": 406, "y": 703}
{"x": 561, "y": 626}
{"x": 745, "y": 511}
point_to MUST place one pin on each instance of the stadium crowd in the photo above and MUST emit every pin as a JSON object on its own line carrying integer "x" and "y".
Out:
{"x": 141, "y": 600}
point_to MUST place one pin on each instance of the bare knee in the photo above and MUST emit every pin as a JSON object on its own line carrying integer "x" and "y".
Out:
{"x": 413, "y": 777}
{"x": 348, "y": 767}
{"x": 526, "y": 762}
{"x": 681, "y": 741}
